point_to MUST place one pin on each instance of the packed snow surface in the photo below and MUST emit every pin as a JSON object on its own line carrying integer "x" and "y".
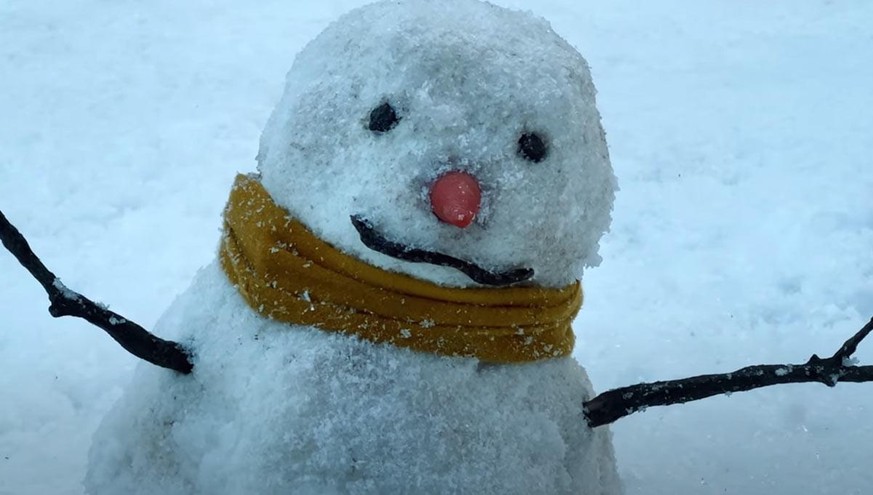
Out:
{"x": 467, "y": 80}
{"x": 276, "y": 408}
{"x": 742, "y": 233}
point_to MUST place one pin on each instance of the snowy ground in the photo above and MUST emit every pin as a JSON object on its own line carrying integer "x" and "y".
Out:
{"x": 740, "y": 132}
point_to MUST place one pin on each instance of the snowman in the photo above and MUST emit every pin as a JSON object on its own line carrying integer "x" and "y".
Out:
{"x": 390, "y": 307}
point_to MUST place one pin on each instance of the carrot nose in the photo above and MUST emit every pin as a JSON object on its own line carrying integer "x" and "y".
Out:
{"x": 455, "y": 198}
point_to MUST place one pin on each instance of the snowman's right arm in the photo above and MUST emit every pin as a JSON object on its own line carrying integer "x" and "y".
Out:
{"x": 65, "y": 302}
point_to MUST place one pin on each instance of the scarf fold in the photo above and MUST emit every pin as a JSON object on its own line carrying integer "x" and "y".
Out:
{"x": 286, "y": 273}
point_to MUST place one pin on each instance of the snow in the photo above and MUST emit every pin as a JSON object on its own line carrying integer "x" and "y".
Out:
{"x": 739, "y": 134}
{"x": 268, "y": 408}
{"x": 466, "y": 81}
{"x": 273, "y": 409}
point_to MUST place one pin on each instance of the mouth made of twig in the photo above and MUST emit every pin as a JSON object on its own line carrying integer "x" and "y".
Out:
{"x": 377, "y": 242}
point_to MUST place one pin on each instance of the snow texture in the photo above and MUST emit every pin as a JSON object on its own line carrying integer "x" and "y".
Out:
{"x": 740, "y": 133}
{"x": 467, "y": 80}
{"x": 274, "y": 408}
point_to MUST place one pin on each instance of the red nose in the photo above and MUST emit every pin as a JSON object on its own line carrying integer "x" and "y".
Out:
{"x": 455, "y": 198}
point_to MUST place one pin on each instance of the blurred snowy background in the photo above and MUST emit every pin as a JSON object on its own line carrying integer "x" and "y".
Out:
{"x": 741, "y": 133}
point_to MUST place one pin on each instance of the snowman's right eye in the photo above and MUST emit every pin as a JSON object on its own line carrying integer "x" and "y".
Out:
{"x": 383, "y": 118}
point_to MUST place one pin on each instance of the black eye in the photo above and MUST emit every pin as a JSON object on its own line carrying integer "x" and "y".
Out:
{"x": 532, "y": 147}
{"x": 383, "y": 118}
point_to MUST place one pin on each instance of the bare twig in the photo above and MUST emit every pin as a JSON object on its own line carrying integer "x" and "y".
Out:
{"x": 65, "y": 302}
{"x": 618, "y": 403}
{"x": 377, "y": 242}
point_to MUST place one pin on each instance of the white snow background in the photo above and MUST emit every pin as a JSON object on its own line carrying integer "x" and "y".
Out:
{"x": 741, "y": 134}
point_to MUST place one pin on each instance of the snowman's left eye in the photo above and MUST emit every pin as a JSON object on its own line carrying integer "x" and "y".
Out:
{"x": 383, "y": 118}
{"x": 532, "y": 147}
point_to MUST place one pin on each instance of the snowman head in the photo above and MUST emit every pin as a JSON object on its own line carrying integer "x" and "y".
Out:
{"x": 451, "y": 140}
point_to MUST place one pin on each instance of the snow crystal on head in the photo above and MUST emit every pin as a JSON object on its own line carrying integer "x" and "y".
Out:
{"x": 466, "y": 80}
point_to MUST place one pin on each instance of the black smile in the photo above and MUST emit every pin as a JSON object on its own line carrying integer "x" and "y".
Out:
{"x": 377, "y": 242}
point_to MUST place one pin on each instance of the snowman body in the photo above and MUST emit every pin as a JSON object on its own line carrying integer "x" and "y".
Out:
{"x": 276, "y": 410}
{"x": 377, "y": 109}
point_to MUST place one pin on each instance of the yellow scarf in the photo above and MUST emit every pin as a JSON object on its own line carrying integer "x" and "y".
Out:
{"x": 286, "y": 273}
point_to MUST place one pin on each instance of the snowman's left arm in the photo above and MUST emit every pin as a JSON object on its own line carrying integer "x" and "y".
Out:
{"x": 618, "y": 403}
{"x": 65, "y": 302}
